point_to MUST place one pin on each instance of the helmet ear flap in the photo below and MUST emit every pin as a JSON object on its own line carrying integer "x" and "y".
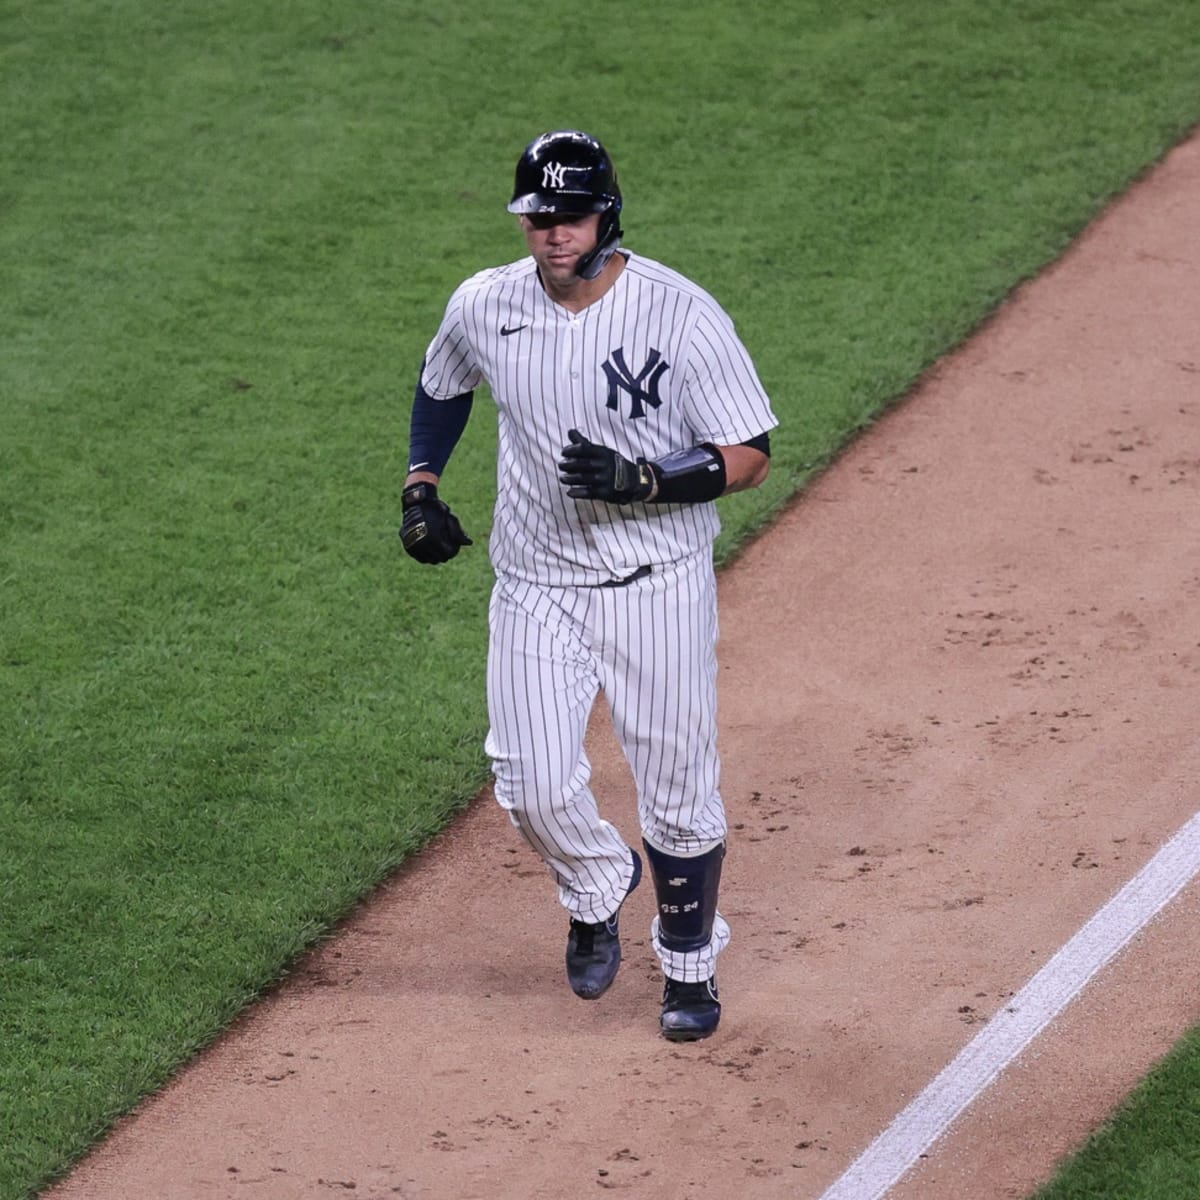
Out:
{"x": 608, "y": 238}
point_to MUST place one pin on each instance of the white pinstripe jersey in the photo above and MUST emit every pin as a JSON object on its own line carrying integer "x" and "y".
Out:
{"x": 654, "y": 365}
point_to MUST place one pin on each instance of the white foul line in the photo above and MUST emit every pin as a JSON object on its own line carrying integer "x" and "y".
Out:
{"x": 1008, "y": 1032}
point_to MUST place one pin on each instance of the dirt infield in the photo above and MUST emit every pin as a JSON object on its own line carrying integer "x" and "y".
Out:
{"x": 959, "y": 685}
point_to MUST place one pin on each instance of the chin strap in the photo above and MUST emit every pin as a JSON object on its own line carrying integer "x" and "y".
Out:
{"x": 595, "y": 260}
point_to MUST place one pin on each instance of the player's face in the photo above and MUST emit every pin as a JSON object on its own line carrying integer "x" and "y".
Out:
{"x": 557, "y": 241}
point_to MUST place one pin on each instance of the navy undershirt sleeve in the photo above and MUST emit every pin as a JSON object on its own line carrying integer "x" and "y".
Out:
{"x": 435, "y": 429}
{"x": 761, "y": 442}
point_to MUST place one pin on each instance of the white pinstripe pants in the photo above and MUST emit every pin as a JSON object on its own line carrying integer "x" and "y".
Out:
{"x": 651, "y": 647}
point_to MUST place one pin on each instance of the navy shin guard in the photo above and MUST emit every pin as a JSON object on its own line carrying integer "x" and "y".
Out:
{"x": 687, "y": 896}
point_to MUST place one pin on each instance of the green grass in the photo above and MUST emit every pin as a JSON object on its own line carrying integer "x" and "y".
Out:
{"x": 1151, "y": 1149}
{"x": 226, "y": 235}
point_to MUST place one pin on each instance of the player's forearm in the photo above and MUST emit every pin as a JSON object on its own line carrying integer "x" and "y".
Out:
{"x": 745, "y": 468}
{"x": 421, "y": 477}
{"x": 695, "y": 475}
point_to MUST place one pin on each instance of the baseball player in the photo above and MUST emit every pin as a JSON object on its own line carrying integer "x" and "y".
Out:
{"x": 627, "y": 405}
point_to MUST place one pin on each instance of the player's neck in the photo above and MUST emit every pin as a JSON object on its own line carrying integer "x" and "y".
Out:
{"x": 582, "y": 292}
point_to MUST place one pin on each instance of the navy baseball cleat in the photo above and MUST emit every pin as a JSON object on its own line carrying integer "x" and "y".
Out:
{"x": 690, "y": 1011}
{"x": 594, "y": 950}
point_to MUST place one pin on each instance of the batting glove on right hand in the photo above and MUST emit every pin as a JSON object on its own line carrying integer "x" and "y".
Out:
{"x": 430, "y": 532}
{"x": 594, "y": 472}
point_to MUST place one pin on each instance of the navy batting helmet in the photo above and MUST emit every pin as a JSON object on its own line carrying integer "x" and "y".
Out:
{"x": 570, "y": 172}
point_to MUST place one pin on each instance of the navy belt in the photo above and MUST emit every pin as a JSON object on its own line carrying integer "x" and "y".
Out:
{"x": 640, "y": 573}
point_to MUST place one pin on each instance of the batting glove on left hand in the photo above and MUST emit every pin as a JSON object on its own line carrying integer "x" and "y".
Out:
{"x": 594, "y": 472}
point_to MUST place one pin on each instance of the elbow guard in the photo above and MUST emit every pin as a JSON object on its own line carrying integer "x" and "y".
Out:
{"x": 688, "y": 476}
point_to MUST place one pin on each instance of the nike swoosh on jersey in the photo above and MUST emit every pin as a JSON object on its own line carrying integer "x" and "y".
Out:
{"x": 505, "y": 331}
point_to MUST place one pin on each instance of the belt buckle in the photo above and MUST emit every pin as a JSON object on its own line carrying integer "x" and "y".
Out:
{"x": 640, "y": 573}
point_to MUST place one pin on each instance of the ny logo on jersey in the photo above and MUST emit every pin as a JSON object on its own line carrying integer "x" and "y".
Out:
{"x": 554, "y": 175}
{"x": 642, "y": 387}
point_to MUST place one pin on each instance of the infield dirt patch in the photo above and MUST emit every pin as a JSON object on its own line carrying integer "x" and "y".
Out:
{"x": 959, "y": 684}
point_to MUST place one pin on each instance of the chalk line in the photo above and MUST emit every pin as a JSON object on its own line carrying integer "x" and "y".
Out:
{"x": 1011, "y": 1030}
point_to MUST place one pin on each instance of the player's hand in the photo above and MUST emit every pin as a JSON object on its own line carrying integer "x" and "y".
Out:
{"x": 431, "y": 533}
{"x": 593, "y": 472}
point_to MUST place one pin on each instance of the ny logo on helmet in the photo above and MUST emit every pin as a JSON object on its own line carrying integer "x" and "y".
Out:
{"x": 642, "y": 387}
{"x": 554, "y": 175}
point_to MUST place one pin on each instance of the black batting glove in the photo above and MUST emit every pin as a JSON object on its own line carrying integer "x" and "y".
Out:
{"x": 592, "y": 472}
{"x": 430, "y": 532}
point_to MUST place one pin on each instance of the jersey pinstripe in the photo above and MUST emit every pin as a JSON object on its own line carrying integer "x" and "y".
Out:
{"x": 654, "y": 365}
